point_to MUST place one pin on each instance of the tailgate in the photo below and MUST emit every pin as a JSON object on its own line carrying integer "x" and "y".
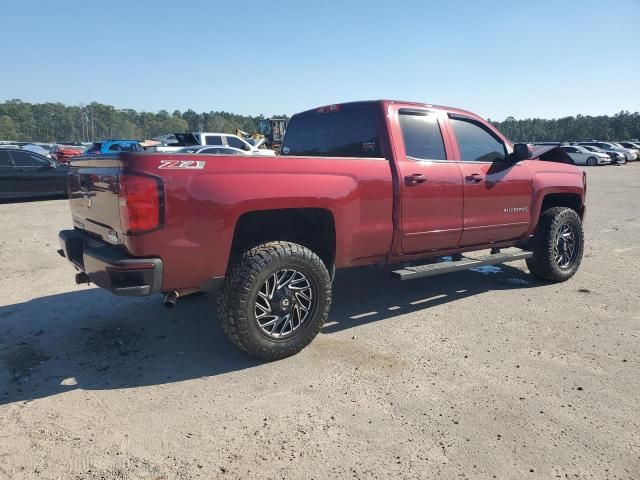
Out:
{"x": 93, "y": 192}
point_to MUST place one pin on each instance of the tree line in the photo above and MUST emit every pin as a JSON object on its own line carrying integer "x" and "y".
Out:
{"x": 621, "y": 126}
{"x": 49, "y": 122}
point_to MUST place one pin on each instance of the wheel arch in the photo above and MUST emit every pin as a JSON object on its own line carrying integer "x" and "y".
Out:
{"x": 313, "y": 228}
{"x": 572, "y": 199}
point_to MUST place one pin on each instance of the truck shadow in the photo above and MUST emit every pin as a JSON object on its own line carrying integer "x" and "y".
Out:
{"x": 362, "y": 297}
{"x": 92, "y": 340}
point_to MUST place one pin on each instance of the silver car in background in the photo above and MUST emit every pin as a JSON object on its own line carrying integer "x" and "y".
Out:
{"x": 610, "y": 147}
{"x": 212, "y": 150}
{"x": 616, "y": 157}
{"x": 634, "y": 146}
{"x": 581, "y": 156}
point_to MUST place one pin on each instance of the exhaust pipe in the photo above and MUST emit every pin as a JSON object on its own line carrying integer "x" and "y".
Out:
{"x": 170, "y": 299}
{"x": 82, "y": 278}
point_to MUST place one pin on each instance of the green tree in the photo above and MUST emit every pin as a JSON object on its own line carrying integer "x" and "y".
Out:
{"x": 96, "y": 121}
{"x": 7, "y": 128}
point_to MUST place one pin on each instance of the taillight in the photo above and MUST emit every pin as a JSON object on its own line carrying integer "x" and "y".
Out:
{"x": 141, "y": 203}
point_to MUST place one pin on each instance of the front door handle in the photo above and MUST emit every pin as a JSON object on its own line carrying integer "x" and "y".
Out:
{"x": 474, "y": 178}
{"x": 414, "y": 179}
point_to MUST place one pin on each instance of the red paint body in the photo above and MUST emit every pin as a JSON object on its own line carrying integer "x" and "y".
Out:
{"x": 63, "y": 154}
{"x": 378, "y": 218}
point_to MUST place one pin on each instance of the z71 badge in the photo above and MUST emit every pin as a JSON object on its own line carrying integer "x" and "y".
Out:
{"x": 181, "y": 164}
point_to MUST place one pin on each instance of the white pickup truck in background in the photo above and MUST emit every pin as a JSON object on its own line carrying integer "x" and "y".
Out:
{"x": 178, "y": 141}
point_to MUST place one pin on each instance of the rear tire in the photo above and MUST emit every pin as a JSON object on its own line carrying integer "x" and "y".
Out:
{"x": 275, "y": 299}
{"x": 557, "y": 245}
{"x": 592, "y": 161}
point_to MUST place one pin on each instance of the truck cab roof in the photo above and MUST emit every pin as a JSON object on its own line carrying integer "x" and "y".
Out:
{"x": 384, "y": 103}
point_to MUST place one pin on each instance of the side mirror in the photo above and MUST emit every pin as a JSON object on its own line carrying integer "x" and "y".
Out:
{"x": 53, "y": 164}
{"x": 520, "y": 152}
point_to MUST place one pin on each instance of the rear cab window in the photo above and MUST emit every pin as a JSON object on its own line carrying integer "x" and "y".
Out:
{"x": 335, "y": 131}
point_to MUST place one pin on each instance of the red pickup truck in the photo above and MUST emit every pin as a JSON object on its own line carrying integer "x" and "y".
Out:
{"x": 356, "y": 184}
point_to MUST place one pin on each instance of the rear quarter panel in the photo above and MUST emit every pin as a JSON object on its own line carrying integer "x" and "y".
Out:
{"x": 203, "y": 206}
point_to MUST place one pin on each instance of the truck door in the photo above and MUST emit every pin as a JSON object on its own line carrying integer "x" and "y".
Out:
{"x": 497, "y": 192}
{"x": 431, "y": 186}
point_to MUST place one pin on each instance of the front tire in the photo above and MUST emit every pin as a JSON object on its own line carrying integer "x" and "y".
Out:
{"x": 557, "y": 245}
{"x": 275, "y": 299}
{"x": 592, "y": 161}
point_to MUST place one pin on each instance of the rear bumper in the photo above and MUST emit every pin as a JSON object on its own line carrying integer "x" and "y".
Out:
{"x": 109, "y": 268}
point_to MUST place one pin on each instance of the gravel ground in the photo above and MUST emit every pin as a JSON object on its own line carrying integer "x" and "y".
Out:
{"x": 477, "y": 374}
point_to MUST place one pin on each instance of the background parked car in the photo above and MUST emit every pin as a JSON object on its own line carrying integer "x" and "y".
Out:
{"x": 610, "y": 147}
{"x": 113, "y": 146}
{"x": 175, "y": 142}
{"x": 63, "y": 152}
{"x": 213, "y": 150}
{"x": 616, "y": 157}
{"x": 635, "y": 147}
{"x": 27, "y": 174}
{"x": 582, "y": 156}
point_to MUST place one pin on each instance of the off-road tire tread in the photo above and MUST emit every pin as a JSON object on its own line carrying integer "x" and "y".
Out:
{"x": 234, "y": 295}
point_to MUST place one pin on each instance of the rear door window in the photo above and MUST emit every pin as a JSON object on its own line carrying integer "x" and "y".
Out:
{"x": 342, "y": 133}
{"x": 236, "y": 143}
{"x": 422, "y": 136}
{"x": 213, "y": 140}
{"x": 25, "y": 159}
{"x": 5, "y": 159}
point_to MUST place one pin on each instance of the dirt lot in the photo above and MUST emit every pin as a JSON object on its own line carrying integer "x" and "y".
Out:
{"x": 484, "y": 374}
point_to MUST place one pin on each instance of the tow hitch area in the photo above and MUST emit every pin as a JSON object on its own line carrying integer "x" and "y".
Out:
{"x": 420, "y": 271}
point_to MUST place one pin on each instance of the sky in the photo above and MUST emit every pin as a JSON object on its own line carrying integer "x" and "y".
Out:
{"x": 496, "y": 58}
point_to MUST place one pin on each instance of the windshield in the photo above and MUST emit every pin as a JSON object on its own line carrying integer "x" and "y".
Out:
{"x": 94, "y": 148}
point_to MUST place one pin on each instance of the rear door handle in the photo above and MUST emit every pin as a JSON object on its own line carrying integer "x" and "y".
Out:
{"x": 414, "y": 179}
{"x": 474, "y": 178}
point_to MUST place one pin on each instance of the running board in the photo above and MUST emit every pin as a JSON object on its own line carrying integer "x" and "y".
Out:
{"x": 420, "y": 271}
